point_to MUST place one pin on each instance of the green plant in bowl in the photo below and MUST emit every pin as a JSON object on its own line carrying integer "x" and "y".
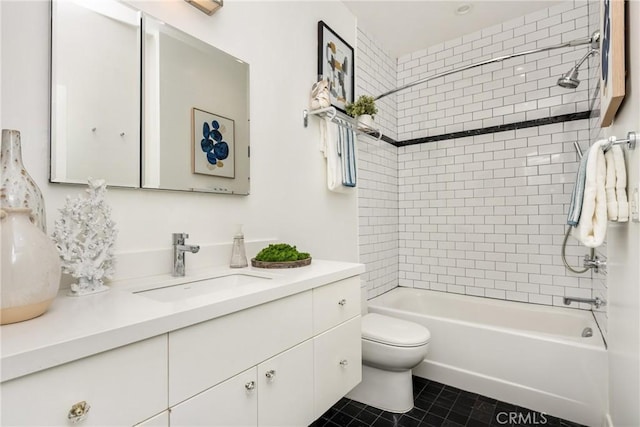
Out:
{"x": 364, "y": 105}
{"x": 281, "y": 252}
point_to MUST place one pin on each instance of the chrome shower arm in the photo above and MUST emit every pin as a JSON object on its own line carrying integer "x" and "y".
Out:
{"x": 593, "y": 41}
{"x": 584, "y": 58}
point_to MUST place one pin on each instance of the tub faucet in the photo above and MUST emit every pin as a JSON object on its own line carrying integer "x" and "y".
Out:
{"x": 179, "y": 248}
{"x": 596, "y": 302}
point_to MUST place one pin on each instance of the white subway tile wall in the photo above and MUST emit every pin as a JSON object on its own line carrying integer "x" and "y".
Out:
{"x": 482, "y": 215}
{"x": 515, "y": 90}
{"x": 377, "y": 172}
{"x": 378, "y": 211}
{"x": 486, "y": 215}
{"x": 376, "y": 74}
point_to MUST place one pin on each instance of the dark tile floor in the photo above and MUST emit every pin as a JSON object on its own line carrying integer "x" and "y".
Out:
{"x": 438, "y": 405}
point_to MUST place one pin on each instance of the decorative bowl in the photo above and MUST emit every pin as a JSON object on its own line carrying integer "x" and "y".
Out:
{"x": 280, "y": 264}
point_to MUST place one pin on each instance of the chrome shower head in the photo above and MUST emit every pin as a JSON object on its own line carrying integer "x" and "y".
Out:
{"x": 569, "y": 80}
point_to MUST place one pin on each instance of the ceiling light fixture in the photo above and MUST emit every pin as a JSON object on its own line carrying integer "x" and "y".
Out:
{"x": 206, "y": 6}
{"x": 463, "y": 9}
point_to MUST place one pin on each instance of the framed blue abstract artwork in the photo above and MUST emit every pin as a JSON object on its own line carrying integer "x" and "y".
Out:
{"x": 612, "y": 55}
{"x": 336, "y": 66}
{"x": 213, "y": 144}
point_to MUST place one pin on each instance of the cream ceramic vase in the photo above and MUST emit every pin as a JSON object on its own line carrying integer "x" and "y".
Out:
{"x": 17, "y": 188}
{"x": 30, "y": 267}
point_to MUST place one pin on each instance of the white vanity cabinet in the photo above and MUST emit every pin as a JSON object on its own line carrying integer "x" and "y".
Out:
{"x": 280, "y": 363}
{"x": 306, "y": 352}
{"x": 122, "y": 387}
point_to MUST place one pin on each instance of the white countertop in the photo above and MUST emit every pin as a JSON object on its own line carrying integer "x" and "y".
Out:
{"x": 77, "y": 327}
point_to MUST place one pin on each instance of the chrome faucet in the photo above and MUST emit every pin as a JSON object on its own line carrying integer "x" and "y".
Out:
{"x": 179, "y": 248}
{"x": 596, "y": 302}
{"x": 594, "y": 262}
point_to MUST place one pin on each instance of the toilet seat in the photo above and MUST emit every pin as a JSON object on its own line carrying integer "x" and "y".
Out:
{"x": 394, "y": 332}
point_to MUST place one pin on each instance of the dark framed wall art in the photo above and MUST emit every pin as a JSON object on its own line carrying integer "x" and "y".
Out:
{"x": 336, "y": 66}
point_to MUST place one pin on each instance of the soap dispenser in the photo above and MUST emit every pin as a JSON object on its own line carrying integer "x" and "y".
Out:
{"x": 238, "y": 254}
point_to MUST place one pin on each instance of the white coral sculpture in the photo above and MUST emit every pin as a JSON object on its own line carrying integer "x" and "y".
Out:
{"x": 84, "y": 236}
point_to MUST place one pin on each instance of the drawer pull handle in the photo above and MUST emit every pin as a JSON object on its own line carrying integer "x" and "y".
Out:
{"x": 79, "y": 411}
{"x": 250, "y": 385}
{"x": 271, "y": 374}
{"x": 344, "y": 363}
{"x": 342, "y": 302}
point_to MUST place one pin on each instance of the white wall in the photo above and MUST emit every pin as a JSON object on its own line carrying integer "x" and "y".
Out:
{"x": 623, "y": 246}
{"x": 288, "y": 200}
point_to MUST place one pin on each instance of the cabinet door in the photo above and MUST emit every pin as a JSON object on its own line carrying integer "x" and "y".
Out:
{"x": 160, "y": 420}
{"x": 233, "y": 402}
{"x": 286, "y": 388}
{"x": 120, "y": 387}
{"x": 337, "y": 363}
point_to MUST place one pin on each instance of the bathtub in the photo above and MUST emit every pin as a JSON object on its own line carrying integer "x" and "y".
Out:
{"x": 529, "y": 355}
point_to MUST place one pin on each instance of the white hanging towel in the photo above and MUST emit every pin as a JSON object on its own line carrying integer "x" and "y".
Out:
{"x": 616, "y": 185}
{"x": 610, "y": 186}
{"x": 592, "y": 227}
{"x": 621, "y": 183}
{"x": 340, "y": 157}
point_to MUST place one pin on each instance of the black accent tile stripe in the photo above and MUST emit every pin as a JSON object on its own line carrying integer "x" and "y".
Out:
{"x": 391, "y": 141}
{"x": 491, "y": 129}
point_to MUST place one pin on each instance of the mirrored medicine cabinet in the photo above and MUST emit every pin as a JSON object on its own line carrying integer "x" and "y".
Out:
{"x": 142, "y": 104}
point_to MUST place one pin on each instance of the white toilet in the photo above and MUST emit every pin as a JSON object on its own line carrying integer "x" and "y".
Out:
{"x": 391, "y": 347}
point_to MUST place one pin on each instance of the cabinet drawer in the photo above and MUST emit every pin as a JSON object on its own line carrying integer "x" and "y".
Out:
{"x": 337, "y": 363}
{"x": 205, "y": 354}
{"x": 122, "y": 387}
{"x": 231, "y": 403}
{"x": 335, "y": 303}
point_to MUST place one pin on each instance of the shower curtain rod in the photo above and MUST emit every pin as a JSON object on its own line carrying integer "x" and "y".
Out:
{"x": 593, "y": 41}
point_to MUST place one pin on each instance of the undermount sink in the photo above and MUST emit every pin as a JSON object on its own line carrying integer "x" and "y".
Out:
{"x": 182, "y": 291}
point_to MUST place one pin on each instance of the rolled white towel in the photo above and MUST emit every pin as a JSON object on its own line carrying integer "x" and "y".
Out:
{"x": 610, "y": 186}
{"x": 621, "y": 183}
{"x": 592, "y": 227}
